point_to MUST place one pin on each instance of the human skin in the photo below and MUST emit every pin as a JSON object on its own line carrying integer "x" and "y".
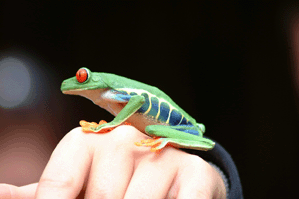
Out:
{"x": 110, "y": 165}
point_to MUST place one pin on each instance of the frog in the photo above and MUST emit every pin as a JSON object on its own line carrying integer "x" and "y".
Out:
{"x": 145, "y": 107}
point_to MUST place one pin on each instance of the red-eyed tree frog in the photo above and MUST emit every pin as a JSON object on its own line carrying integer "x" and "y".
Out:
{"x": 146, "y": 107}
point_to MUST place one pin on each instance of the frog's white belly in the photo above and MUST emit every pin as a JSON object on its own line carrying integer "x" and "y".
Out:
{"x": 140, "y": 121}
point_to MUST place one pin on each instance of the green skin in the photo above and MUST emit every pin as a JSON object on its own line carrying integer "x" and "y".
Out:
{"x": 101, "y": 88}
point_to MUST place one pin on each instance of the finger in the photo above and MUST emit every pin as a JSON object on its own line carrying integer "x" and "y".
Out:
{"x": 67, "y": 168}
{"x": 197, "y": 179}
{"x": 14, "y": 192}
{"x": 113, "y": 166}
{"x": 154, "y": 175}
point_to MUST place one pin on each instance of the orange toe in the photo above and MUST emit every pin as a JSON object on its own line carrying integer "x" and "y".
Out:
{"x": 86, "y": 126}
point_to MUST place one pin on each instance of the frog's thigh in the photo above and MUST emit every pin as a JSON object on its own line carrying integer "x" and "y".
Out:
{"x": 170, "y": 131}
{"x": 178, "y": 138}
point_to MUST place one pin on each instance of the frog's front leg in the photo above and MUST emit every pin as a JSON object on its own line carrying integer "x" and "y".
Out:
{"x": 181, "y": 136}
{"x": 134, "y": 103}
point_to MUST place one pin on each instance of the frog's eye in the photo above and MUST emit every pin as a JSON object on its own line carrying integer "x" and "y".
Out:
{"x": 82, "y": 75}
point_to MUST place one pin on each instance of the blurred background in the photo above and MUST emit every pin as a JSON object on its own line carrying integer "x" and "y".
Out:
{"x": 232, "y": 65}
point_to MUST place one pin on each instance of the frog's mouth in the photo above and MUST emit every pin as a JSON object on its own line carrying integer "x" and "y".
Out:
{"x": 78, "y": 91}
{"x": 71, "y": 92}
{"x": 88, "y": 93}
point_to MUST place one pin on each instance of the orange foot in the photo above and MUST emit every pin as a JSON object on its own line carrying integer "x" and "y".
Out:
{"x": 86, "y": 126}
{"x": 153, "y": 143}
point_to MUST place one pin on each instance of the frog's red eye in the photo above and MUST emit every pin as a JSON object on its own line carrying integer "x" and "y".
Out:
{"x": 82, "y": 75}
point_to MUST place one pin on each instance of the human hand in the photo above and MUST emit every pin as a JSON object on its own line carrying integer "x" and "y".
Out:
{"x": 111, "y": 166}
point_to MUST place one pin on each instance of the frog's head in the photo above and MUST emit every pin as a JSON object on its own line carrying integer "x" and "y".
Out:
{"x": 84, "y": 80}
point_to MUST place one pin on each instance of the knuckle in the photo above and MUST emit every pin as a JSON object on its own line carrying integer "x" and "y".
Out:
{"x": 75, "y": 136}
{"x": 193, "y": 160}
{"x": 125, "y": 134}
{"x": 75, "y": 133}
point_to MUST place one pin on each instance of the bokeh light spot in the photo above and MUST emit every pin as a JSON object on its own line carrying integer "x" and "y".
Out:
{"x": 15, "y": 82}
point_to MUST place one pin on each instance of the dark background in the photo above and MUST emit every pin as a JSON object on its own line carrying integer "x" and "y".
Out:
{"x": 229, "y": 64}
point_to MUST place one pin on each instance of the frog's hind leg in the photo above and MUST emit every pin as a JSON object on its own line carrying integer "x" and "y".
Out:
{"x": 178, "y": 136}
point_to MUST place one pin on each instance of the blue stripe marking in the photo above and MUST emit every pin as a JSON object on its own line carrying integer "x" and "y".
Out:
{"x": 184, "y": 121}
{"x": 122, "y": 97}
{"x": 155, "y": 107}
{"x": 190, "y": 130}
{"x": 175, "y": 117}
{"x": 145, "y": 106}
{"x": 164, "y": 112}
